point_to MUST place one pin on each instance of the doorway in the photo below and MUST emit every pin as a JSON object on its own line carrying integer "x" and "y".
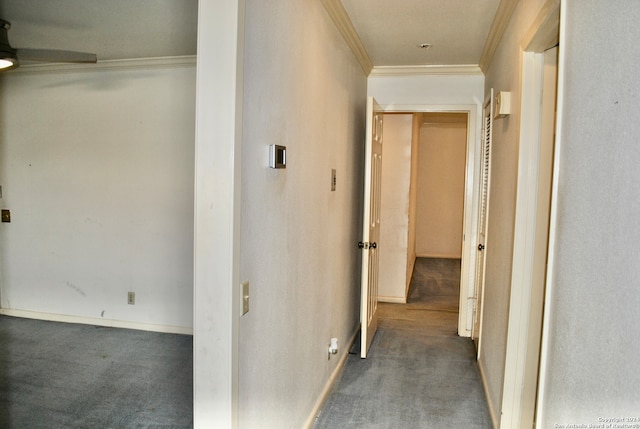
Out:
{"x": 401, "y": 183}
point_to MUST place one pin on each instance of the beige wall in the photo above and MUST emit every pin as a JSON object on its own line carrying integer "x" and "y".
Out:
{"x": 440, "y": 188}
{"x": 503, "y": 74}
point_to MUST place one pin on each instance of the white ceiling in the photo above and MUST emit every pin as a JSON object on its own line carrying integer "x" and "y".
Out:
{"x": 112, "y": 29}
{"x": 391, "y": 30}
{"x": 116, "y": 29}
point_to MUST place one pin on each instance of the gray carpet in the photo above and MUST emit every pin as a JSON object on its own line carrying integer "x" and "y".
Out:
{"x": 59, "y": 375}
{"x": 419, "y": 373}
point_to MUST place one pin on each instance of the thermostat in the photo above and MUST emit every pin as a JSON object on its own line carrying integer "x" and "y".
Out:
{"x": 502, "y": 104}
{"x": 277, "y": 156}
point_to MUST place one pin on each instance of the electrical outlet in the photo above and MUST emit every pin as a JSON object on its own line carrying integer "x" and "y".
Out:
{"x": 131, "y": 298}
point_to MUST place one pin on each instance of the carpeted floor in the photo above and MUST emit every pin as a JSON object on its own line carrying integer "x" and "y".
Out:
{"x": 59, "y": 375}
{"x": 419, "y": 373}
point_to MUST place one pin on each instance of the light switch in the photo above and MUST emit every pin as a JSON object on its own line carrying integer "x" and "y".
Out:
{"x": 6, "y": 215}
{"x": 245, "y": 297}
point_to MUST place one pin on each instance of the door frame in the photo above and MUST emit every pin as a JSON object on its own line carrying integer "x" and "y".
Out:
{"x": 522, "y": 360}
{"x": 471, "y": 199}
{"x": 216, "y": 288}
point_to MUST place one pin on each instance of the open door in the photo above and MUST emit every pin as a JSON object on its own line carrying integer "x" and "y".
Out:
{"x": 371, "y": 225}
{"x": 487, "y": 122}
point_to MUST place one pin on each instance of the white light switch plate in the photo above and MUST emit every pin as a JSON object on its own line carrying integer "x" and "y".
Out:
{"x": 245, "y": 297}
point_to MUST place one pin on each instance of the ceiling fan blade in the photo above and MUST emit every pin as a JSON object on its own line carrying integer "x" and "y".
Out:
{"x": 55, "y": 56}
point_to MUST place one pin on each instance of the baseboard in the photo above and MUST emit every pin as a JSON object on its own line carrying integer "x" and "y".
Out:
{"x": 492, "y": 411}
{"x": 51, "y": 317}
{"x": 308, "y": 424}
{"x": 433, "y": 256}
{"x": 393, "y": 299}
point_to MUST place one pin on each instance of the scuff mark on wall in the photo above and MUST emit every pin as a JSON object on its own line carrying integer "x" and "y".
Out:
{"x": 76, "y": 288}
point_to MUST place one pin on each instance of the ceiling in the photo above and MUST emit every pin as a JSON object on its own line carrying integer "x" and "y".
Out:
{"x": 116, "y": 29}
{"x": 112, "y": 29}
{"x": 391, "y": 30}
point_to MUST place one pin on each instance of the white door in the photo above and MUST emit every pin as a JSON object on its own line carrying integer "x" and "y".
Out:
{"x": 371, "y": 225}
{"x": 487, "y": 122}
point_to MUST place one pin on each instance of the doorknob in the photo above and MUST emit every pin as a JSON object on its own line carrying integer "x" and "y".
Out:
{"x": 373, "y": 245}
{"x": 360, "y": 245}
{"x": 480, "y": 246}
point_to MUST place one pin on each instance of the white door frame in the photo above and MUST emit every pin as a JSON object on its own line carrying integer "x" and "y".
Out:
{"x": 522, "y": 359}
{"x": 472, "y": 171}
{"x": 217, "y": 213}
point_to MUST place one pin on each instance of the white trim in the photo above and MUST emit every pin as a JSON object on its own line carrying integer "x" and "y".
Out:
{"x": 324, "y": 395}
{"x": 217, "y": 205}
{"x": 498, "y": 27}
{"x": 438, "y": 256}
{"x": 126, "y": 64}
{"x": 472, "y": 172}
{"x": 392, "y": 299}
{"x": 520, "y": 357}
{"x": 343, "y": 23}
{"x": 462, "y": 69}
{"x": 524, "y": 239}
{"x": 111, "y": 323}
{"x": 553, "y": 221}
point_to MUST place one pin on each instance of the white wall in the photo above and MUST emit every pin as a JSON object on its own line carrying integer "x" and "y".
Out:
{"x": 305, "y": 90}
{"x": 441, "y": 181}
{"x": 97, "y": 169}
{"x": 392, "y": 91}
{"x": 592, "y": 344}
{"x": 394, "y": 208}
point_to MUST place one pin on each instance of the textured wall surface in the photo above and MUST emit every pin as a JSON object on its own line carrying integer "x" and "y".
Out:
{"x": 304, "y": 90}
{"x": 593, "y": 344}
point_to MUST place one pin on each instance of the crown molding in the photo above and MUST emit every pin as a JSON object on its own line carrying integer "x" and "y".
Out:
{"x": 342, "y": 21}
{"x": 498, "y": 27}
{"x": 543, "y": 33}
{"x": 126, "y": 64}
{"x": 464, "y": 69}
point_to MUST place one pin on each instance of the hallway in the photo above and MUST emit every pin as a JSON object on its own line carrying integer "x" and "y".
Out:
{"x": 419, "y": 373}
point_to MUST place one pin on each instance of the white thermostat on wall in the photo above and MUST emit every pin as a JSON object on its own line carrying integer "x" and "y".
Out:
{"x": 502, "y": 104}
{"x": 277, "y": 156}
